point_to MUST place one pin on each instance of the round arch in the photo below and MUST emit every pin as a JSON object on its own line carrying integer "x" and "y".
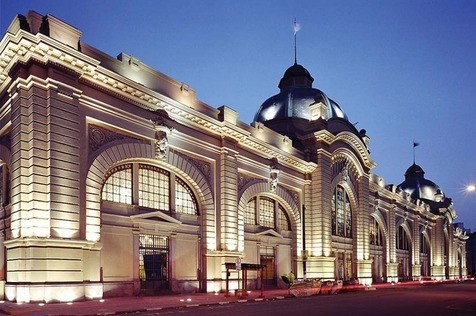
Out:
{"x": 357, "y": 145}
{"x": 282, "y": 196}
{"x": 381, "y": 222}
{"x": 139, "y": 150}
{"x": 345, "y": 152}
{"x": 406, "y": 227}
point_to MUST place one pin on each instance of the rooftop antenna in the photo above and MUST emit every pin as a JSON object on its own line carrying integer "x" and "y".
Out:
{"x": 415, "y": 144}
{"x": 297, "y": 27}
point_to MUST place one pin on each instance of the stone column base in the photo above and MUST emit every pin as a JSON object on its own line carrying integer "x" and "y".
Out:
{"x": 438, "y": 272}
{"x": 416, "y": 272}
{"x": 392, "y": 272}
{"x": 320, "y": 267}
{"x": 47, "y": 293}
{"x": 364, "y": 272}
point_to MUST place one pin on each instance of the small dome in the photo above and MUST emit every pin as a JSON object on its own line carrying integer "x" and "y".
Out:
{"x": 418, "y": 187}
{"x": 295, "y": 97}
{"x": 295, "y": 71}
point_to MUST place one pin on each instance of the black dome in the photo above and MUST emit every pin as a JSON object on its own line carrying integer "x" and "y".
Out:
{"x": 418, "y": 187}
{"x": 295, "y": 97}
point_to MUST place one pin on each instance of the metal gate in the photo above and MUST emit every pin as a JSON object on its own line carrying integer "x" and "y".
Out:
{"x": 153, "y": 262}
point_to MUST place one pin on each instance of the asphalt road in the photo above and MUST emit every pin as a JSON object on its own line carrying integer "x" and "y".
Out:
{"x": 443, "y": 299}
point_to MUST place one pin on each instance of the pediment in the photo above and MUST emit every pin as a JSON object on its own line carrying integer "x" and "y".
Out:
{"x": 156, "y": 217}
{"x": 270, "y": 232}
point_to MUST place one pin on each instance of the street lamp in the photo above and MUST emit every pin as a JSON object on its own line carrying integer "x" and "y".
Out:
{"x": 471, "y": 188}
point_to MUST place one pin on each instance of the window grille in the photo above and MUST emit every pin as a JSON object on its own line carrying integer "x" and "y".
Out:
{"x": 118, "y": 185}
{"x": 153, "y": 258}
{"x": 341, "y": 213}
{"x": 184, "y": 199}
{"x": 154, "y": 188}
{"x": 250, "y": 212}
{"x": 266, "y": 212}
{"x": 283, "y": 219}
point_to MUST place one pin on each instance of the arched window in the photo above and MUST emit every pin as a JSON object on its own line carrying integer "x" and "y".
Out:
{"x": 184, "y": 199}
{"x": 250, "y": 212}
{"x": 376, "y": 237}
{"x": 266, "y": 212}
{"x": 402, "y": 239}
{"x": 341, "y": 213}
{"x": 424, "y": 246}
{"x": 283, "y": 219}
{"x": 118, "y": 186}
{"x": 153, "y": 190}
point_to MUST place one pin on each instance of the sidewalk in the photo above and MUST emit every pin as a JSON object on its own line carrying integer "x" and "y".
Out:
{"x": 119, "y": 305}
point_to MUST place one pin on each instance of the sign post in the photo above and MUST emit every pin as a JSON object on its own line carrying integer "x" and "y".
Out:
{"x": 238, "y": 269}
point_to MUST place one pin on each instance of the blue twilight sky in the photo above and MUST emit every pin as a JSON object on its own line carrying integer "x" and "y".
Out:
{"x": 402, "y": 69}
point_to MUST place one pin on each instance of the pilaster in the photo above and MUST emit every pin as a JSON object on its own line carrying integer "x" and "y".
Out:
{"x": 230, "y": 235}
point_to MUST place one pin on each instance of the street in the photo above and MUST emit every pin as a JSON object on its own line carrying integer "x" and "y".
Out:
{"x": 441, "y": 299}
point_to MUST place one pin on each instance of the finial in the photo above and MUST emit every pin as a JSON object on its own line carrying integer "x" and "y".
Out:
{"x": 297, "y": 27}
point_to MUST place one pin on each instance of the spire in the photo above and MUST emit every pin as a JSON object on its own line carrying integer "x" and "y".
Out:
{"x": 415, "y": 144}
{"x": 297, "y": 27}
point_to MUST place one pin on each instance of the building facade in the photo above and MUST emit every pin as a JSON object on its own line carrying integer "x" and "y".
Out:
{"x": 115, "y": 179}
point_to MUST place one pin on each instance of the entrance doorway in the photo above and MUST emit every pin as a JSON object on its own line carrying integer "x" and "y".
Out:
{"x": 267, "y": 259}
{"x": 153, "y": 262}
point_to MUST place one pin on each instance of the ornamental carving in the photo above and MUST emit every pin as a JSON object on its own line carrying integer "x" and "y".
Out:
{"x": 162, "y": 127}
{"x": 99, "y": 136}
{"x": 273, "y": 175}
{"x": 294, "y": 195}
{"x": 204, "y": 167}
{"x": 244, "y": 180}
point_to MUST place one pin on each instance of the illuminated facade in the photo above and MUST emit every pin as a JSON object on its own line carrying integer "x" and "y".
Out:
{"x": 115, "y": 179}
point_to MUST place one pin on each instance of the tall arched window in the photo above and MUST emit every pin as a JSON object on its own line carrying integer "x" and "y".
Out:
{"x": 424, "y": 245}
{"x": 341, "y": 213}
{"x": 376, "y": 237}
{"x": 402, "y": 239}
{"x": 267, "y": 212}
{"x": 153, "y": 190}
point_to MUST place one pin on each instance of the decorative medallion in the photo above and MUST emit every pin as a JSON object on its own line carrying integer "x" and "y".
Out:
{"x": 99, "y": 136}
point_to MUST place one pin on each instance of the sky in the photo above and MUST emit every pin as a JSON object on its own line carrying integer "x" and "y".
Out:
{"x": 402, "y": 70}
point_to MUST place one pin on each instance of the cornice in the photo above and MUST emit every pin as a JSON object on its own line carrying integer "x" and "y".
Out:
{"x": 23, "y": 46}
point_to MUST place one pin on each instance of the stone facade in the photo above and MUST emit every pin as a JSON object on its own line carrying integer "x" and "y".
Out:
{"x": 191, "y": 187}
